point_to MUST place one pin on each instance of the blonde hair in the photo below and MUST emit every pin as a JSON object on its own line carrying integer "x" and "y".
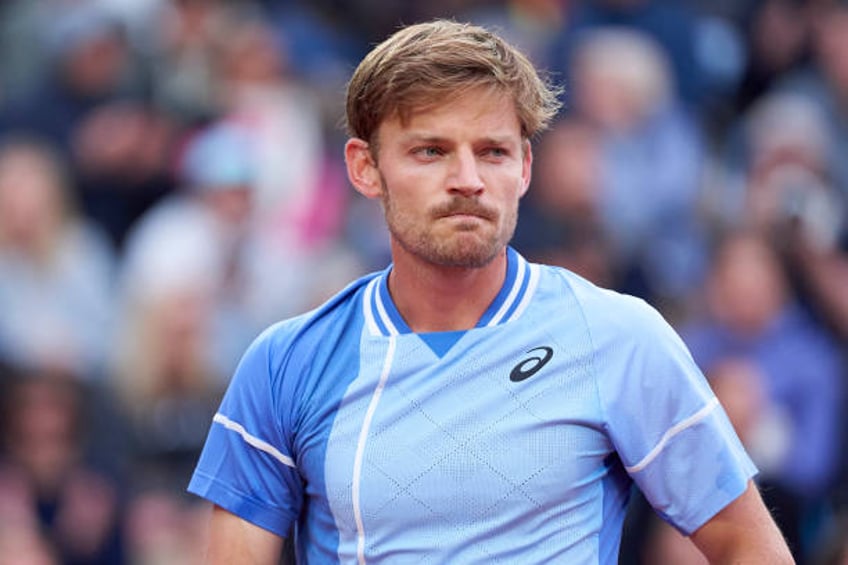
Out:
{"x": 424, "y": 64}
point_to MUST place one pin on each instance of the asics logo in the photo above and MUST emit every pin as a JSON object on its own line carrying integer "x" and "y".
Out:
{"x": 530, "y": 366}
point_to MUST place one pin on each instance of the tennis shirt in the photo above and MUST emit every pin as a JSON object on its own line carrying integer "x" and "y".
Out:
{"x": 516, "y": 441}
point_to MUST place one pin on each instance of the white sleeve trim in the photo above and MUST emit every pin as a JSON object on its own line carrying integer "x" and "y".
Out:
{"x": 673, "y": 431}
{"x": 253, "y": 440}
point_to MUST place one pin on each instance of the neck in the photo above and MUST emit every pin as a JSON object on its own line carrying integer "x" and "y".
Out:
{"x": 435, "y": 298}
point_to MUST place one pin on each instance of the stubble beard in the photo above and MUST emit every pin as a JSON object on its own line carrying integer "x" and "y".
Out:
{"x": 465, "y": 246}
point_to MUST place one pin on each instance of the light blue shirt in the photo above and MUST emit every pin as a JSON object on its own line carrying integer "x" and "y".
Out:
{"x": 515, "y": 441}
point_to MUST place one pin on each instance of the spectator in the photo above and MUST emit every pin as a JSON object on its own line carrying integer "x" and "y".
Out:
{"x": 52, "y": 496}
{"x": 560, "y": 220}
{"x": 165, "y": 529}
{"x": 180, "y": 320}
{"x": 785, "y": 186}
{"x": 184, "y": 38}
{"x": 89, "y": 105}
{"x": 532, "y": 25}
{"x": 777, "y": 34}
{"x": 781, "y": 373}
{"x": 670, "y": 25}
{"x": 56, "y": 268}
{"x": 779, "y": 171}
{"x": 199, "y": 282}
{"x": 299, "y": 191}
{"x": 825, "y": 81}
{"x": 651, "y": 160}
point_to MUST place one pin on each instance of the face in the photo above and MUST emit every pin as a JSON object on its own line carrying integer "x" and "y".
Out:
{"x": 449, "y": 179}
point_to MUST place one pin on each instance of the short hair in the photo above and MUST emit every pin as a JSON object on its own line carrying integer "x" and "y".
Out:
{"x": 424, "y": 64}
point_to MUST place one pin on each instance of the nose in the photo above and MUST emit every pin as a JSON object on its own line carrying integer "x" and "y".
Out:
{"x": 465, "y": 174}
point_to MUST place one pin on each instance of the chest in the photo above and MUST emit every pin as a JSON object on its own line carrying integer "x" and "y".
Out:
{"x": 488, "y": 429}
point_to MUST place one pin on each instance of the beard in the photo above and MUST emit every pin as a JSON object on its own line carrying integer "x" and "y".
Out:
{"x": 466, "y": 244}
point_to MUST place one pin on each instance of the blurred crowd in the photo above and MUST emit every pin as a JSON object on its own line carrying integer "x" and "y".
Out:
{"x": 171, "y": 182}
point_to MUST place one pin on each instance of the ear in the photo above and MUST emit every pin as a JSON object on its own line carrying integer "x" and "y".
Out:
{"x": 361, "y": 168}
{"x": 526, "y": 167}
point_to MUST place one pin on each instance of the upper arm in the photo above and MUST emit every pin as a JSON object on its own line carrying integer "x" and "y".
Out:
{"x": 247, "y": 464}
{"x": 665, "y": 422}
{"x": 235, "y": 540}
{"x": 742, "y": 532}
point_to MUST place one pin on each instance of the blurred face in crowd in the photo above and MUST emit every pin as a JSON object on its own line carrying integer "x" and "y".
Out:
{"x": 831, "y": 45}
{"x": 43, "y": 434}
{"x": 747, "y": 287}
{"x": 449, "y": 177}
{"x": 96, "y": 65}
{"x": 31, "y": 201}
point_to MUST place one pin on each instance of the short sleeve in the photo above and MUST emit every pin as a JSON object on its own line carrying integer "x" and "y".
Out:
{"x": 246, "y": 465}
{"x": 667, "y": 426}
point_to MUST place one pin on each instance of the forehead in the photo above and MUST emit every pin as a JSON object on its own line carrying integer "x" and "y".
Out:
{"x": 477, "y": 112}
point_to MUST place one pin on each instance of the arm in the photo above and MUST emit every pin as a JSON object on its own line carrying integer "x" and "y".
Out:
{"x": 234, "y": 540}
{"x": 743, "y": 532}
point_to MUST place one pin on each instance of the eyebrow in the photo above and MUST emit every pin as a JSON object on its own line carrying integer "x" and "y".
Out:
{"x": 437, "y": 139}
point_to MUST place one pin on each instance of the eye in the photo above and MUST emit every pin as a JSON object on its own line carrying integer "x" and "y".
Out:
{"x": 428, "y": 152}
{"x": 496, "y": 152}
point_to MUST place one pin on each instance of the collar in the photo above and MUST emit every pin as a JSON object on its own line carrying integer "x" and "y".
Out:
{"x": 383, "y": 318}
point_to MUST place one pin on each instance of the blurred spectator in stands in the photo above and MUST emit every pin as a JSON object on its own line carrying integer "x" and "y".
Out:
{"x": 56, "y": 268}
{"x": 779, "y": 374}
{"x": 789, "y": 182}
{"x": 185, "y": 36}
{"x": 122, "y": 159}
{"x": 777, "y": 37}
{"x": 180, "y": 329}
{"x": 780, "y": 181}
{"x": 321, "y": 47}
{"x": 300, "y": 191}
{"x": 560, "y": 219}
{"x": 200, "y": 281}
{"x": 825, "y": 80}
{"x": 89, "y": 104}
{"x": 532, "y": 25}
{"x": 818, "y": 246}
{"x": 52, "y": 497}
{"x": 299, "y": 188}
{"x": 165, "y": 529}
{"x": 651, "y": 162}
{"x": 86, "y": 65}
{"x": 672, "y": 26}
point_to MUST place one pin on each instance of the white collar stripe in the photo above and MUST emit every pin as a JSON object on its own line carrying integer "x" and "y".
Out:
{"x": 381, "y": 310}
{"x": 533, "y": 281}
{"x": 368, "y": 308}
{"x": 513, "y": 293}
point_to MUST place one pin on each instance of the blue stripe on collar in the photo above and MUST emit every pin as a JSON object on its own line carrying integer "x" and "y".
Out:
{"x": 517, "y": 283}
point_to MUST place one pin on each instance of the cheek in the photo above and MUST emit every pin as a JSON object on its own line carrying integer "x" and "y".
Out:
{"x": 406, "y": 190}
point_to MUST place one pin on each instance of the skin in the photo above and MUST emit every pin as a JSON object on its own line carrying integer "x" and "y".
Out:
{"x": 450, "y": 180}
{"x": 743, "y": 532}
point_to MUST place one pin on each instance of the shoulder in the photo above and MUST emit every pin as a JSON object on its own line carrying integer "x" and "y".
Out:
{"x": 321, "y": 327}
{"x": 601, "y": 308}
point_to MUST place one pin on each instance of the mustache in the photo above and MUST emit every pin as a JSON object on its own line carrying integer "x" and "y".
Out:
{"x": 464, "y": 206}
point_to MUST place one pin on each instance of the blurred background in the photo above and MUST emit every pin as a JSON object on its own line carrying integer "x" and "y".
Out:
{"x": 171, "y": 182}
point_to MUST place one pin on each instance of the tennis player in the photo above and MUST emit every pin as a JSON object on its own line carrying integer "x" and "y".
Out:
{"x": 465, "y": 405}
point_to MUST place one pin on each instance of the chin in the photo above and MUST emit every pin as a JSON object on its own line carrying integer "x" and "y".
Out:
{"x": 466, "y": 254}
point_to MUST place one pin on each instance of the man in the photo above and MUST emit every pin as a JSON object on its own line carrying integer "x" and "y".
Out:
{"x": 464, "y": 405}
